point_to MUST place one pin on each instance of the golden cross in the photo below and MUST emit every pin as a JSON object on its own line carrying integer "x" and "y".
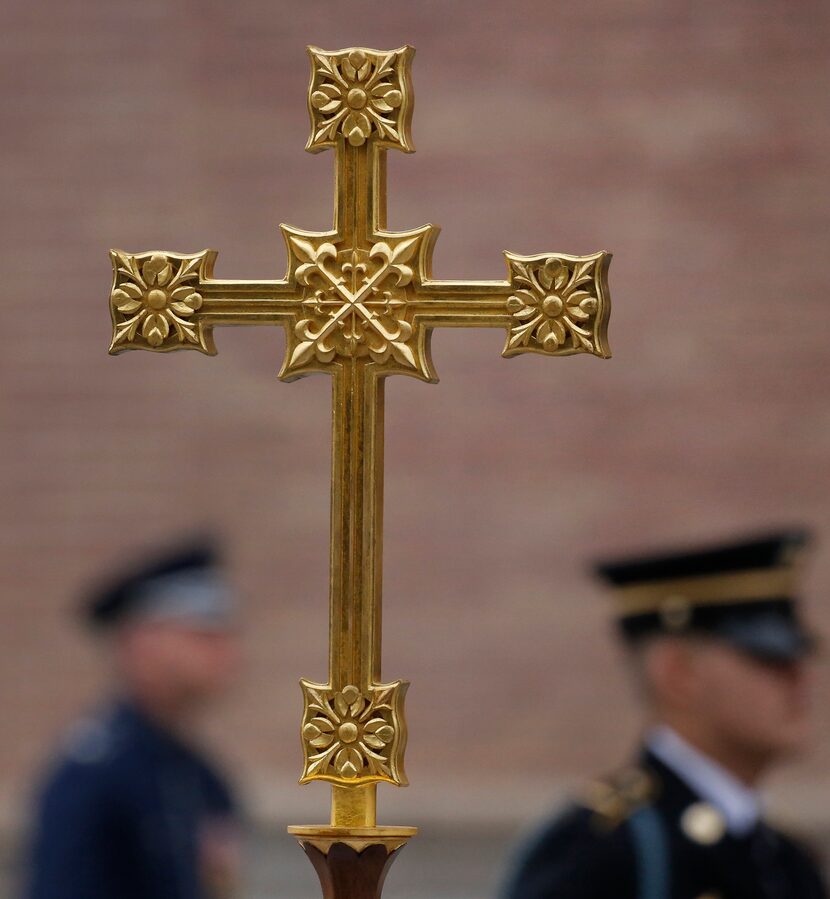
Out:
{"x": 360, "y": 303}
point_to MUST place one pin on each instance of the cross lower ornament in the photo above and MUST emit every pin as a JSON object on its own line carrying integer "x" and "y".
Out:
{"x": 358, "y": 302}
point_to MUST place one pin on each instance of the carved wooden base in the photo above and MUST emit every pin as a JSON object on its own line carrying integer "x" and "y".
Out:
{"x": 352, "y": 862}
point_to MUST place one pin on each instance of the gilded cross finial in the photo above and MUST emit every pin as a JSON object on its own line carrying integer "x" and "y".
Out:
{"x": 359, "y": 302}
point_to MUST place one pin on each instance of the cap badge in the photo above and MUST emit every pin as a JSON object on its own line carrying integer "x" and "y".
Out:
{"x": 703, "y": 823}
{"x": 675, "y": 612}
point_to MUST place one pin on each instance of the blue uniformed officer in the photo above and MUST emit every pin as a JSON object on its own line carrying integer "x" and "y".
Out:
{"x": 719, "y": 651}
{"x": 130, "y": 808}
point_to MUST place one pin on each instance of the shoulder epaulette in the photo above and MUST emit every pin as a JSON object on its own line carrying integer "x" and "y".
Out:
{"x": 88, "y": 741}
{"x": 616, "y": 797}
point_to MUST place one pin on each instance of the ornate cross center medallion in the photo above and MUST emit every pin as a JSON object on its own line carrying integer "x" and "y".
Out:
{"x": 359, "y": 302}
{"x": 355, "y": 299}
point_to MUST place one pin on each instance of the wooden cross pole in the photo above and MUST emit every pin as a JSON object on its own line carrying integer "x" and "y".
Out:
{"x": 358, "y": 302}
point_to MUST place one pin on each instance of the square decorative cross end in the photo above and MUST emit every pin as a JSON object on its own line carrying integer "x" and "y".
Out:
{"x": 559, "y": 304}
{"x": 352, "y": 737}
{"x": 360, "y": 95}
{"x": 155, "y": 301}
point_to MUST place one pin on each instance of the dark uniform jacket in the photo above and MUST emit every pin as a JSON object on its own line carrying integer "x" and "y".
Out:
{"x": 644, "y": 834}
{"x": 128, "y": 812}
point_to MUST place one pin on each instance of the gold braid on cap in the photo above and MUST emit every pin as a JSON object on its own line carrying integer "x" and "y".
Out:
{"x": 710, "y": 590}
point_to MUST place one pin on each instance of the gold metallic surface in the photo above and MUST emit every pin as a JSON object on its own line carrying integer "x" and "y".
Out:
{"x": 715, "y": 589}
{"x": 354, "y": 806}
{"x": 703, "y": 823}
{"x": 359, "y": 838}
{"x": 359, "y": 302}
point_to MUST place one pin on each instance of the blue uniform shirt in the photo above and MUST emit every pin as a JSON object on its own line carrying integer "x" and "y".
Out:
{"x": 129, "y": 812}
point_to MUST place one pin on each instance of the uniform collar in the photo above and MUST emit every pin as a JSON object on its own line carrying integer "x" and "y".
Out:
{"x": 130, "y": 716}
{"x": 740, "y": 805}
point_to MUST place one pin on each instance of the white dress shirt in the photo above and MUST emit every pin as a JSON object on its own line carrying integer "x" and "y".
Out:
{"x": 739, "y": 804}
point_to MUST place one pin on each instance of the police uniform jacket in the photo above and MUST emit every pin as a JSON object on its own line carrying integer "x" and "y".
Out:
{"x": 129, "y": 812}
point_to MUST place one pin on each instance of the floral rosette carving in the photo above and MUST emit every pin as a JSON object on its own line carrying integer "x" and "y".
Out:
{"x": 559, "y": 304}
{"x": 154, "y": 302}
{"x": 354, "y": 302}
{"x": 357, "y": 94}
{"x": 351, "y": 737}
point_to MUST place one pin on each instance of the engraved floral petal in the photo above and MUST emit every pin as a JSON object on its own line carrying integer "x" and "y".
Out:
{"x": 123, "y": 302}
{"x": 348, "y": 762}
{"x": 379, "y": 728}
{"x": 349, "y": 70}
{"x": 526, "y": 312}
{"x": 527, "y": 297}
{"x": 155, "y": 328}
{"x": 350, "y": 693}
{"x": 354, "y": 136}
{"x": 380, "y": 104}
{"x": 554, "y": 272}
{"x": 557, "y": 329}
{"x": 340, "y": 705}
{"x": 356, "y": 66}
{"x": 324, "y": 102}
{"x": 322, "y": 724}
{"x": 157, "y": 270}
{"x": 578, "y": 314}
{"x": 582, "y": 300}
{"x": 187, "y": 309}
{"x": 333, "y": 106}
{"x": 357, "y": 127}
{"x": 186, "y": 300}
{"x": 393, "y": 97}
{"x": 316, "y": 737}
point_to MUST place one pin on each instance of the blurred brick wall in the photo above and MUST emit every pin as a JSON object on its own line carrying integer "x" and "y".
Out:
{"x": 690, "y": 139}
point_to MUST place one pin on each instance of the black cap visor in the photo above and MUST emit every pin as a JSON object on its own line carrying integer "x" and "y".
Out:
{"x": 771, "y": 636}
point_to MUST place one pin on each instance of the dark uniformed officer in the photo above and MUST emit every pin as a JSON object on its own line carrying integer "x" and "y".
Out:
{"x": 129, "y": 808}
{"x": 718, "y": 650}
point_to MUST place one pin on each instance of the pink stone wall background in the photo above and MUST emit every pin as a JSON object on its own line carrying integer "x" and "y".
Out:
{"x": 692, "y": 140}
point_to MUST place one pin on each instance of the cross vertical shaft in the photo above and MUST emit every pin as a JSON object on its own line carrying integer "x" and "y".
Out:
{"x": 357, "y": 480}
{"x": 356, "y": 546}
{"x": 357, "y": 516}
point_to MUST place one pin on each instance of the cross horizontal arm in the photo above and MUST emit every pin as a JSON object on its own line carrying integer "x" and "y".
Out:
{"x": 554, "y": 304}
{"x": 480, "y": 304}
{"x": 248, "y": 302}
